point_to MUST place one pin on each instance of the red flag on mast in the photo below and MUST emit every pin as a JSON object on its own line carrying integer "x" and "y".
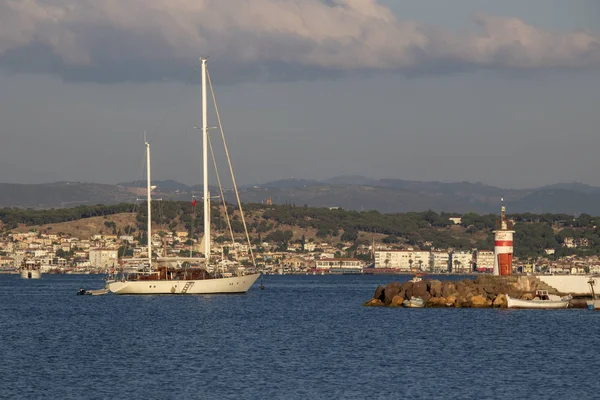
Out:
{"x": 194, "y": 203}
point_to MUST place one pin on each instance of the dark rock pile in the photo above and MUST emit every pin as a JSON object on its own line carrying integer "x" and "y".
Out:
{"x": 484, "y": 291}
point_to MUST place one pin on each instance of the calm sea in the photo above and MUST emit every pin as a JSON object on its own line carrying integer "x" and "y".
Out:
{"x": 303, "y": 337}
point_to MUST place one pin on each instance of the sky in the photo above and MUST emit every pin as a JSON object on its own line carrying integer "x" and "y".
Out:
{"x": 500, "y": 92}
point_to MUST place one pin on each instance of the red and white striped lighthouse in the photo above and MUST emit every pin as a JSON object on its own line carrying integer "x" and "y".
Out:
{"x": 503, "y": 246}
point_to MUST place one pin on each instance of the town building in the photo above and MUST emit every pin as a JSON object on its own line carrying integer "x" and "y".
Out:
{"x": 461, "y": 261}
{"x": 103, "y": 258}
{"x": 440, "y": 261}
{"x": 484, "y": 260}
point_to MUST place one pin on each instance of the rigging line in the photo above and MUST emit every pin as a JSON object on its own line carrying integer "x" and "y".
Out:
{"x": 223, "y": 199}
{"x": 237, "y": 195}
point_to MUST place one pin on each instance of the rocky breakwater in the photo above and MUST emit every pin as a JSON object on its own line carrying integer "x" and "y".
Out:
{"x": 483, "y": 292}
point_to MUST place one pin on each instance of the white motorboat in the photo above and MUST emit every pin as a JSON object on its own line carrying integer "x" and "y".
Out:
{"x": 168, "y": 280}
{"x": 542, "y": 300}
{"x": 414, "y": 302}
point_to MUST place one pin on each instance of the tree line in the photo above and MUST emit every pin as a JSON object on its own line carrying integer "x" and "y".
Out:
{"x": 534, "y": 233}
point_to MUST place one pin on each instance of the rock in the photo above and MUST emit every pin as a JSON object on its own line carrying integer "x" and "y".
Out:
{"x": 435, "y": 288}
{"x": 449, "y": 289}
{"x": 406, "y": 287}
{"x": 468, "y": 294}
{"x": 419, "y": 289}
{"x": 500, "y": 301}
{"x": 374, "y": 303}
{"x": 480, "y": 290}
{"x": 391, "y": 290}
{"x": 379, "y": 293}
{"x": 397, "y": 301}
{"x": 478, "y": 301}
{"x": 436, "y": 302}
{"x": 450, "y": 301}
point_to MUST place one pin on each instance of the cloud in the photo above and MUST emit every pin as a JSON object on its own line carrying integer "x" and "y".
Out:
{"x": 140, "y": 40}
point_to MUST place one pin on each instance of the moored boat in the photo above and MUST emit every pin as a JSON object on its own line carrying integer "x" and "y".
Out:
{"x": 165, "y": 280}
{"x": 414, "y": 302}
{"x": 542, "y": 300}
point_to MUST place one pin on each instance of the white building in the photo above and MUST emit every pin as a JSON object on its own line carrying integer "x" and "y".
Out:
{"x": 397, "y": 259}
{"x": 332, "y": 263}
{"x": 462, "y": 261}
{"x": 440, "y": 261}
{"x": 103, "y": 258}
{"x": 484, "y": 260}
{"x": 404, "y": 260}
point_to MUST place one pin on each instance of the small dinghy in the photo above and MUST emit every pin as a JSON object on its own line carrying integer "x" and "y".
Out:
{"x": 414, "y": 302}
{"x": 94, "y": 292}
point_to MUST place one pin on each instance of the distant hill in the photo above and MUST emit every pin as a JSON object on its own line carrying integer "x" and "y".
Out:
{"x": 350, "y": 180}
{"x": 166, "y": 185}
{"x": 61, "y": 194}
{"x": 349, "y": 192}
{"x": 289, "y": 183}
{"x": 574, "y": 186}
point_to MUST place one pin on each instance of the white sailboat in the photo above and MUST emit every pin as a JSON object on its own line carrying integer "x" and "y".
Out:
{"x": 166, "y": 280}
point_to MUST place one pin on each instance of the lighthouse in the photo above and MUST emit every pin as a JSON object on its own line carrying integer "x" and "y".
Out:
{"x": 503, "y": 245}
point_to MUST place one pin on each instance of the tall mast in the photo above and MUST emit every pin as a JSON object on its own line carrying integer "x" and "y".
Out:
{"x": 206, "y": 204}
{"x": 149, "y": 204}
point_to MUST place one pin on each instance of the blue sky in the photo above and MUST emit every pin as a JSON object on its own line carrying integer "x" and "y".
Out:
{"x": 501, "y": 92}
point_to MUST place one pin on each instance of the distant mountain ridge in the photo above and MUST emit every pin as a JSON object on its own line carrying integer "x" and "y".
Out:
{"x": 349, "y": 192}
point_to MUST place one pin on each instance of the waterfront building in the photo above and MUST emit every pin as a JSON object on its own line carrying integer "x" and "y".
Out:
{"x": 461, "y": 261}
{"x": 396, "y": 259}
{"x": 332, "y": 263}
{"x": 440, "y": 261}
{"x": 103, "y": 258}
{"x": 484, "y": 260}
{"x": 403, "y": 260}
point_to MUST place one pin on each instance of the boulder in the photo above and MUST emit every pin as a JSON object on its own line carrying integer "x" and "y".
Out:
{"x": 479, "y": 301}
{"x": 450, "y": 300}
{"x": 419, "y": 289}
{"x": 374, "y": 303}
{"x": 464, "y": 304}
{"x": 379, "y": 293}
{"x": 397, "y": 301}
{"x": 406, "y": 287}
{"x": 527, "y": 296}
{"x": 500, "y": 301}
{"x": 391, "y": 290}
{"x": 434, "y": 287}
{"x": 436, "y": 302}
{"x": 449, "y": 289}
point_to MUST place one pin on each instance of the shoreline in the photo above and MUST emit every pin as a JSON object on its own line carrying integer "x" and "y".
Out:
{"x": 486, "y": 291}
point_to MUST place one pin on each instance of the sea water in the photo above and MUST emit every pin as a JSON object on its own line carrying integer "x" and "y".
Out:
{"x": 302, "y": 337}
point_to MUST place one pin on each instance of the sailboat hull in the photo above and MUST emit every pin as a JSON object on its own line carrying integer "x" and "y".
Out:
{"x": 236, "y": 284}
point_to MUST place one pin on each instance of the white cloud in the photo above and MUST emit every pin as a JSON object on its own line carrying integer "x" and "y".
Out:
{"x": 118, "y": 36}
